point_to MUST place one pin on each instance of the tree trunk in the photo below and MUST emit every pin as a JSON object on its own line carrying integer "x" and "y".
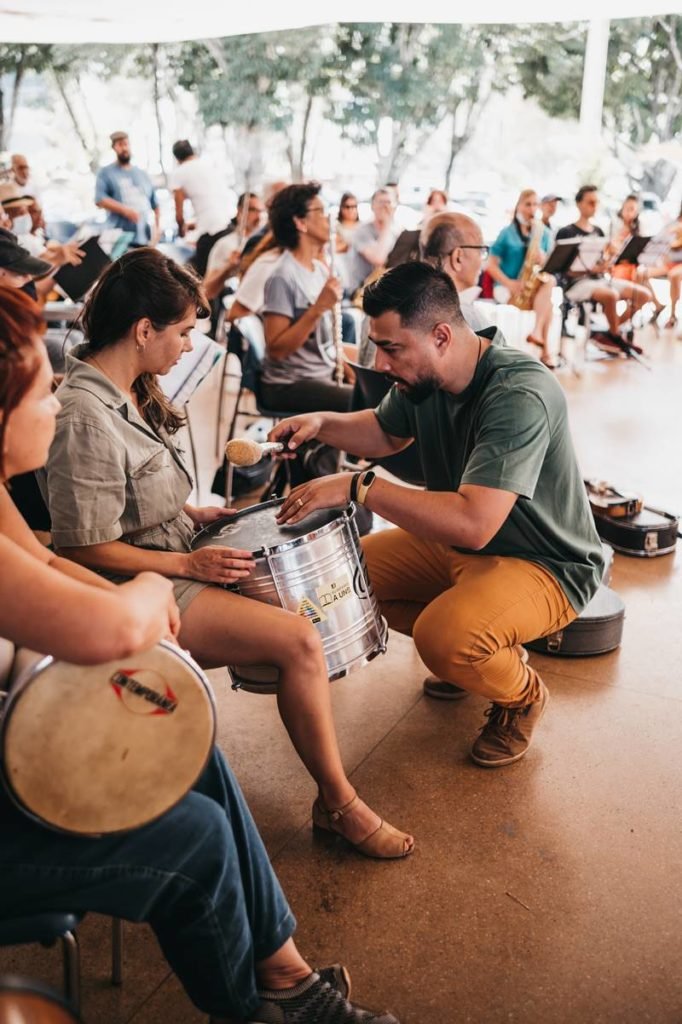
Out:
{"x": 92, "y": 155}
{"x": 2, "y": 118}
{"x": 453, "y": 151}
{"x": 157, "y": 111}
{"x": 293, "y": 166}
{"x": 304, "y": 137}
{"x": 18, "y": 77}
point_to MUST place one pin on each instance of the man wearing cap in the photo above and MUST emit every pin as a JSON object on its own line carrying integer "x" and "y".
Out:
{"x": 17, "y": 266}
{"x": 127, "y": 194}
{"x": 16, "y": 205}
{"x": 548, "y": 206}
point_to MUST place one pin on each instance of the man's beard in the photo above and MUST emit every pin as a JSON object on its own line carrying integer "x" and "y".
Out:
{"x": 124, "y": 158}
{"x": 419, "y": 391}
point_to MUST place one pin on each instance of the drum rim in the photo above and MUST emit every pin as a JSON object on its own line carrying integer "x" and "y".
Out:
{"x": 25, "y": 677}
{"x": 22, "y": 985}
{"x": 347, "y": 514}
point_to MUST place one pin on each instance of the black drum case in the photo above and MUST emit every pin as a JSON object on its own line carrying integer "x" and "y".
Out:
{"x": 598, "y": 629}
{"x": 650, "y": 533}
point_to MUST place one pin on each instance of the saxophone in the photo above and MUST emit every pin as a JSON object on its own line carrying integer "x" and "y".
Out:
{"x": 531, "y": 276}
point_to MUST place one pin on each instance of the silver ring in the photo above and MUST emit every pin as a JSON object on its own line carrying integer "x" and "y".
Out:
{"x": 300, "y": 502}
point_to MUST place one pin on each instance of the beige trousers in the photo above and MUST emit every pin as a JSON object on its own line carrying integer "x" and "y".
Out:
{"x": 467, "y": 613}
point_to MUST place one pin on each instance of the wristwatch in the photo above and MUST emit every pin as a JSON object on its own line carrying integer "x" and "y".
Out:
{"x": 364, "y": 485}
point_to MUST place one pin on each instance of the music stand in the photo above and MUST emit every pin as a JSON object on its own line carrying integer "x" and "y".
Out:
{"x": 74, "y": 282}
{"x": 658, "y": 252}
{"x": 561, "y": 257}
{"x": 630, "y": 252}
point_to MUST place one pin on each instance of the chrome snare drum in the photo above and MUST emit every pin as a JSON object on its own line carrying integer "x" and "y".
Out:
{"x": 315, "y": 568}
{"x": 96, "y": 749}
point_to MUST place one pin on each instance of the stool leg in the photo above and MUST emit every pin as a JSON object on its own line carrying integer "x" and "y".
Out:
{"x": 72, "y": 969}
{"x": 116, "y": 951}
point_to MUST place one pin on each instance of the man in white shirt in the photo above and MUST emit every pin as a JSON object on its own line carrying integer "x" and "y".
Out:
{"x": 224, "y": 256}
{"x": 197, "y": 180}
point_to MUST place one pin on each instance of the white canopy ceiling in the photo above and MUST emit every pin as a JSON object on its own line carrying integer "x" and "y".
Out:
{"x": 128, "y": 21}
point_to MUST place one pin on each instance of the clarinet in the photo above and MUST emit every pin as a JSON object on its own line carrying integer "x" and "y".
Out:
{"x": 336, "y": 312}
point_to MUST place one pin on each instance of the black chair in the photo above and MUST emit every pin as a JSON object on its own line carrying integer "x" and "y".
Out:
{"x": 60, "y": 926}
{"x": 370, "y": 388}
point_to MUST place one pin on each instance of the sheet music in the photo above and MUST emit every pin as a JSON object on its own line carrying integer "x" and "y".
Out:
{"x": 183, "y": 380}
{"x": 657, "y": 251}
{"x": 591, "y": 249}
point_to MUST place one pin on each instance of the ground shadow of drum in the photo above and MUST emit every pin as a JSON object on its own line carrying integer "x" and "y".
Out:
{"x": 315, "y": 568}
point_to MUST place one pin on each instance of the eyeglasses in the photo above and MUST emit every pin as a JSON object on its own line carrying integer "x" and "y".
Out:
{"x": 483, "y": 249}
{"x": 315, "y": 209}
{"x": 349, "y": 206}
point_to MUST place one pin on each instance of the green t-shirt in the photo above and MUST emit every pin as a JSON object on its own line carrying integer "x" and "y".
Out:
{"x": 509, "y": 430}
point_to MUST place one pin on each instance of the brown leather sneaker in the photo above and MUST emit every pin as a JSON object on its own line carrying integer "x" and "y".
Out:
{"x": 508, "y": 733}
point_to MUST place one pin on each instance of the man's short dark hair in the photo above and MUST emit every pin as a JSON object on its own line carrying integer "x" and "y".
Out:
{"x": 291, "y": 202}
{"x": 182, "y": 150}
{"x": 583, "y": 191}
{"x": 420, "y": 294}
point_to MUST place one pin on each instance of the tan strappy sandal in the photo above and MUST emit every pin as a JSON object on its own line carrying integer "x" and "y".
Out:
{"x": 385, "y": 842}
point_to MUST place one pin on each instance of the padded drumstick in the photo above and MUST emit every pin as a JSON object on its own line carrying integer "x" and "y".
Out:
{"x": 241, "y": 451}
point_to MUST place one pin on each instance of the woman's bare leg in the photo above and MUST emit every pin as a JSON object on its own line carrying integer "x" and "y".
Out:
{"x": 542, "y": 306}
{"x": 675, "y": 278}
{"x": 636, "y": 296}
{"x": 221, "y": 628}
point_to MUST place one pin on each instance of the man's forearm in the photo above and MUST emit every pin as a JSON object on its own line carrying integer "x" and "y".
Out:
{"x": 358, "y": 433}
{"x": 442, "y": 516}
{"x": 114, "y": 206}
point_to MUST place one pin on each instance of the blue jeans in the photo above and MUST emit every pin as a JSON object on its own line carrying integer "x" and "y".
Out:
{"x": 200, "y": 876}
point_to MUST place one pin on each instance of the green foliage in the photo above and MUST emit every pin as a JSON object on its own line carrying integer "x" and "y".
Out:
{"x": 254, "y": 81}
{"x": 643, "y": 95}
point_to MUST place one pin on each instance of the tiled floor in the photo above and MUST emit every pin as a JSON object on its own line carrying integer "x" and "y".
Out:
{"x": 545, "y": 893}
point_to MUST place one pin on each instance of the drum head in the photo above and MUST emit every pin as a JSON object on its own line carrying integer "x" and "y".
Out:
{"x": 255, "y": 527}
{"x": 99, "y": 749}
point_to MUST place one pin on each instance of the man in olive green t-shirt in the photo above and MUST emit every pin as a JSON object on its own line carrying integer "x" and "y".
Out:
{"x": 501, "y": 548}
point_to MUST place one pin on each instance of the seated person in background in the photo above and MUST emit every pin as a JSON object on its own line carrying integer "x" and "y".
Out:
{"x": 26, "y": 224}
{"x": 257, "y": 237}
{"x": 628, "y": 228}
{"x": 116, "y": 488}
{"x": 501, "y": 548}
{"x": 348, "y": 221}
{"x": 580, "y": 286}
{"x": 18, "y": 268}
{"x": 453, "y": 243}
{"x": 255, "y": 269}
{"x": 199, "y": 874}
{"x": 507, "y": 261}
{"x": 300, "y": 360}
{"x": 372, "y": 242}
{"x": 548, "y": 205}
{"x": 224, "y": 256}
{"x": 407, "y": 245}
